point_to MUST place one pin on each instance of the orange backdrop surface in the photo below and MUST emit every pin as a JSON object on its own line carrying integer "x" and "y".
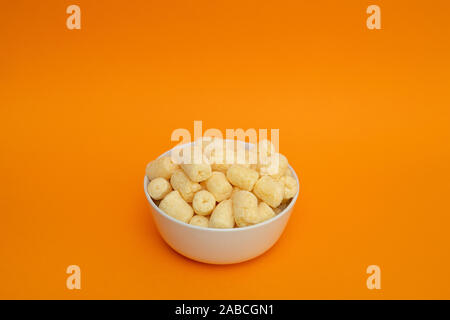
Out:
{"x": 363, "y": 118}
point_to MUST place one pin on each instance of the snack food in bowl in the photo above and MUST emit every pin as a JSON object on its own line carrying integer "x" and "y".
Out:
{"x": 220, "y": 211}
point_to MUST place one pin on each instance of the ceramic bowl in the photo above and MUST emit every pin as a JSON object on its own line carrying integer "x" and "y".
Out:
{"x": 220, "y": 246}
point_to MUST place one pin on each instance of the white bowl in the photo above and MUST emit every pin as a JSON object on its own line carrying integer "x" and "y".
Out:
{"x": 220, "y": 246}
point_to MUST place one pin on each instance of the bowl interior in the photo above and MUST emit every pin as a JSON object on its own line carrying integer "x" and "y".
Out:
{"x": 247, "y": 146}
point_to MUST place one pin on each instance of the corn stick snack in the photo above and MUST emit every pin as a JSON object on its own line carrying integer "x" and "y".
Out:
{"x": 197, "y": 172}
{"x": 193, "y": 162}
{"x": 161, "y": 168}
{"x": 245, "y": 208}
{"x": 175, "y": 206}
{"x": 290, "y": 187}
{"x": 242, "y": 177}
{"x": 269, "y": 190}
{"x": 203, "y": 203}
{"x": 222, "y": 216}
{"x": 158, "y": 188}
{"x": 265, "y": 212}
{"x": 275, "y": 165}
{"x": 219, "y": 186}
{"x": 184, "y": 185}
{"x": 200, "y": 221}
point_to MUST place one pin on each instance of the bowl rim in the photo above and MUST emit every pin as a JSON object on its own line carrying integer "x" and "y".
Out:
{"x": 240, "y": 229}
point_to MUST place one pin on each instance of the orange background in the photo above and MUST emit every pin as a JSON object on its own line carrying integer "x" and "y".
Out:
{"x": 363, "y": 118}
